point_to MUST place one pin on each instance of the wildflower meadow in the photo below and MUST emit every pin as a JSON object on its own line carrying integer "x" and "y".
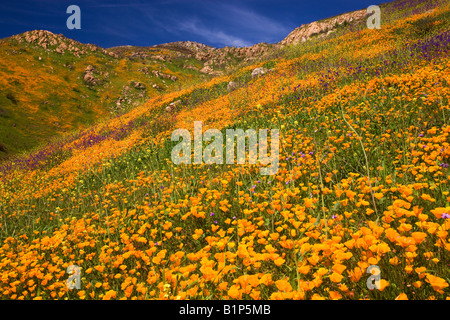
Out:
{"x": 362, "y": 181}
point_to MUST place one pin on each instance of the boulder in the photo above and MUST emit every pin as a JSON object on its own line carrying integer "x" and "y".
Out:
{"x": 138, "y": 85}
{"x": 90, "y": 68}
{"x": 159, "y": 74}
{"x": 89, "y": 75}
{"x": 232, "y": 85}
{"x": 206, "y": 69}
{"x": 307, "y": 31}
{"x": 173, "y": 105}
{"x": 159, "y": 57}
{"x": 191, "y": 67}
{"x": 144, "y": 70}
{"x": 90, "y": 79}
{"x": 69, "y": 66}
{"x": 258, "y": 72}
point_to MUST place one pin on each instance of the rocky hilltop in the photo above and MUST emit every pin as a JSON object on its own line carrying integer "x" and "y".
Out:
{"x": 217, "y": 60}
{"x": 59, "y": 43}
{"x": 213, "y": 61}
{"x": 323, "y": 28}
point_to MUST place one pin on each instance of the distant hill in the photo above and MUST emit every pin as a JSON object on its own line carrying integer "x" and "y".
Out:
{"x": 51, "y": 85}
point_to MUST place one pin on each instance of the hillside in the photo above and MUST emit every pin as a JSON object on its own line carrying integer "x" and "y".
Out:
{"x": 362, "y": 180}
{"x": 51, "y": 85}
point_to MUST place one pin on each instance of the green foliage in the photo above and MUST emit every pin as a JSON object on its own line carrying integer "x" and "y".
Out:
{"x": 11, "y": 97}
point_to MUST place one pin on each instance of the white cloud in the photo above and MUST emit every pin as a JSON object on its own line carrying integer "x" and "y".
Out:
{"x": 249, "y": 20}
{"x": 218, "y": 37}
{"x": 216, "y": 23}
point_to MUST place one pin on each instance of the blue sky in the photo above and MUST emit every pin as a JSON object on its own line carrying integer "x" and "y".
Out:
{"x": 109, "y": 23}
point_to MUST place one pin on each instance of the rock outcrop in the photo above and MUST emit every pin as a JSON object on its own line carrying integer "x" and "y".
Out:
{"x": 258, "y": 72}
{"x": 322, "y": 28}
{"x": 159, "y": 74}
{"x": 59, "y": 43}
{"x": 144, "y": 70}
{"x": 215, "y": 60}
{"x": 232, "y": 85}
{"x": 173, "y": 105}
{"x": 138, "y": 85}
{"x": 88, "y": 75}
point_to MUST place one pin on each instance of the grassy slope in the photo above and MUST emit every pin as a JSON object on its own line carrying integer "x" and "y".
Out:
{"x": 42, "y": 99}
{"x": 369, "y": 103}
